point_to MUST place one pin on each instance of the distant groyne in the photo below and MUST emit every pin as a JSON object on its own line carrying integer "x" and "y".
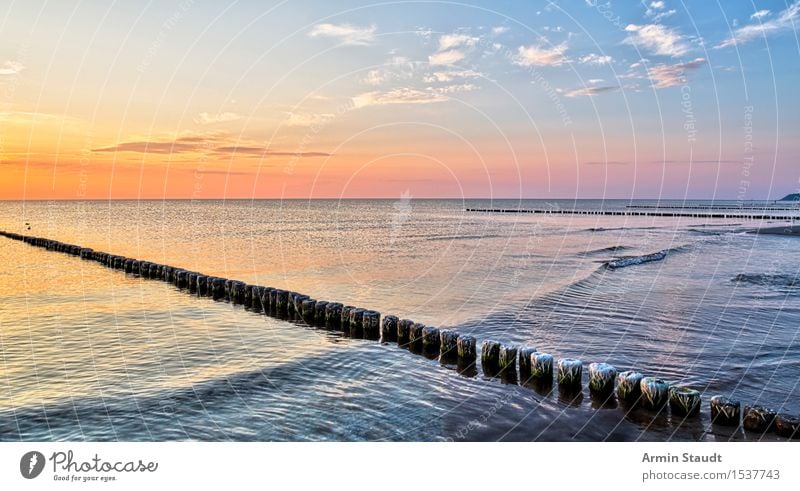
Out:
{"x": 514, "y": 364}
{"x": 634, "y": 212}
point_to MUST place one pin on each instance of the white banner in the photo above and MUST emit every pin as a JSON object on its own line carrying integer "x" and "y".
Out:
{"x": 484, "y": 466}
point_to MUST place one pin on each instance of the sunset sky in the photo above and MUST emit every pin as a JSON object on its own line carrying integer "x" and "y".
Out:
{"x": 316, "y": 99}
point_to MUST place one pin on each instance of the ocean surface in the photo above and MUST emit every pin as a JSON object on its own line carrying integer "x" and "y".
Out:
{"x": 90, "y": 353}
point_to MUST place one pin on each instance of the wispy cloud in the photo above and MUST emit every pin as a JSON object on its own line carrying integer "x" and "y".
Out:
{"x": 658, "y": 11}
{"x": 591, "y": 91}
{"x": 595, "y": 59}
{"x": 215, "y": 143}
{"x": 345, "y": 33}
{"x": 403, "y": 95}
{"x": 455, "y": 88}
{"x": 499, "y": 30}
{"x": 663, "y": 76}
{"x": 456, "y": 40}
{"x": 209, "y": 118}
{"x": 450, "y": 75}
{"x": 446, "y": 57}
{"x": 785, "y": 21}
{"x": 760, "y": 14}
{"x": 11, "y": 68}
{"x": 309, "y": 119}
{"x": 657, "y": 39}
{"x": 540, "y": 55}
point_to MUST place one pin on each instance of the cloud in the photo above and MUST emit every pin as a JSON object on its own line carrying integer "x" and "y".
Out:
{"x": 375, "y": 77}
{"x": 397, "y": 96}
{"x": 450, "y": 41}
{"x": 760, "y": 14}
{"x": 657, "y": 39}
{"x": 450, "y": 75}
{"x": 591, "y": 91}
{"x": 309, "y": 119}
{"x": 455, "y": 88}
{"x": 664, "y": 76}
{"x": 541, "y": 56}
{"x": 785, "y": 21}
{"x": 499, "y": 30}
{"x": 259, "y": 151}
{"x": 214, "y": 143}
{"x": 656, "y": 11}
{"x": 208, "y": 118}
{"x": 595, "y": 59}
{"x": 11, "y": 68}
{"x": 446, "y": 57}
{"x": 345, "y": 33}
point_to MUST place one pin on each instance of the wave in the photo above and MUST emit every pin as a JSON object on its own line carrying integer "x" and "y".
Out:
{"x": 766, "y": 279}
{"x": 462, "y": 237}
{"x": 624, "y": 262}
{"x": 603, "y": 250}
{"x": 611, "y": 229}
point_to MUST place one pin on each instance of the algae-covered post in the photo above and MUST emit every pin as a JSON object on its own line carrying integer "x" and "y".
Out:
{"x": 758, "y": 419}
{"x": 333, "y": 315}
{"x": 448, "y": 342}
{"x": 389, "y": 329}
{"x": 371, "y": 323}
{"x": 467, "y": 350}
{"x": 524, "y": 362}
{"x": 787, "y": 426}
{"x": 655, "y": 393}
{"x": 725, "y": 411}
{"x": 430, "y": 339}
{"x": 629, "y": 386}
{"x": 570, "y": 373}
{"x": 404, "y": 331}
{"x": 601, "y": 378}
{"x": 684, "y": 401}
{"x": 490, "y": 357}
{"x": 542, "y": 367}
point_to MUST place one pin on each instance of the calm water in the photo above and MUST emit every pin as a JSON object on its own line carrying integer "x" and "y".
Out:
{"x": 90, "y": 353}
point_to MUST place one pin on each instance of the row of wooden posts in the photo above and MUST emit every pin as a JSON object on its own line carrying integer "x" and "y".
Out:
{"x": 449, "y": 346}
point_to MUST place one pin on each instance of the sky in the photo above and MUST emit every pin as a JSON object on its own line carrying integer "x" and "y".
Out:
{"x": 256, "y": 99}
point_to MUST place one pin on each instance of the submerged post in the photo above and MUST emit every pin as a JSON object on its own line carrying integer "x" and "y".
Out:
{"x": 404, "y": 332}
{"x": 542, "y": 367}
{"x": 467, "y": 351}
{"x": 684, "y": 401}
{"x": 655, "y": 393}
{"x": 787, "y": 426}
{"x": 333, "y": 315}
{"x": 490, "y": 356}
{"x": 629, "y": 387}
{"x": 601, "y": 378}
{"x": 415, "y": 336}
{"x": 758, "y": 419}
{"x": 430, "y": 339}
{"x": 570, "y": 373}
{"x": 389, "y": 329}
{"x": 724, "y": 411}
{"x": 524, "y": 362}
{"x": 448, "y": 345}
{"x": 371, "y": 323}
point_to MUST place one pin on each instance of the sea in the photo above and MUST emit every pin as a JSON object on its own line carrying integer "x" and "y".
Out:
{"x": 91, "y": 353}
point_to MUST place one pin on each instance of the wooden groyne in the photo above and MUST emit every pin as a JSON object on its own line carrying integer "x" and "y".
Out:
{"x": 631, "y": 212}
{"x": 524, "y": 365}
{"x": 714, "y": 207}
